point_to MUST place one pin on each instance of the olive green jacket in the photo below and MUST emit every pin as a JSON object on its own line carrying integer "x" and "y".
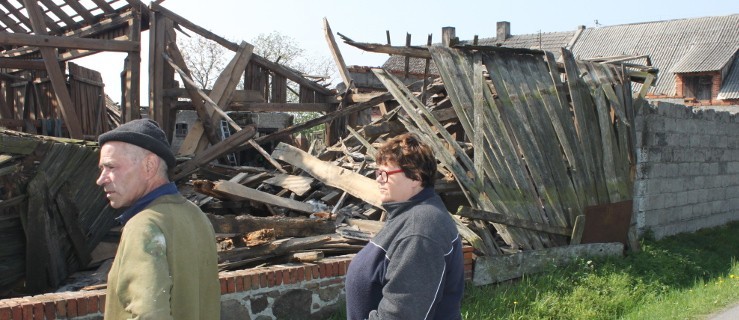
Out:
{"x": 166, "y": 266}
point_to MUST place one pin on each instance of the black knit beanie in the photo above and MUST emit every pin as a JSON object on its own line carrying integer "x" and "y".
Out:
{"x": 144, "y": 133}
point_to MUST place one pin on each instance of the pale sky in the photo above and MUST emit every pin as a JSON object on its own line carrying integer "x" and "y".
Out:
{"x": 368, "y": 21}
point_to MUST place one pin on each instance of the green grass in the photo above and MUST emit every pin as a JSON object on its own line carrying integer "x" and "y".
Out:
{"x": 687, "y": 276}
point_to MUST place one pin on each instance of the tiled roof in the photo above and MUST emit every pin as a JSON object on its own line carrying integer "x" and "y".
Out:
{"x": 666, "y": 42}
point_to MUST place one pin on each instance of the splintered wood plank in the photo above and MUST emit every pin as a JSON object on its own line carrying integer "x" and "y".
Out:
{"x": 297, "y": 184}
{"x": 338, "y": 58}
{"x": 355, "y": 184}
{"x": 239, "y": 192}
{"x": 277, "y": 247}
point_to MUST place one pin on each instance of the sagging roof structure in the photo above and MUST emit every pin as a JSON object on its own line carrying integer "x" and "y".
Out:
{"x": 696, "y": 46}
{"x": 40, "y": 36}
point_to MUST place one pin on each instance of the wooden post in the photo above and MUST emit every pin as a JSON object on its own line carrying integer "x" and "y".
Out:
{"x": 407, "y": 58}
{"x": 447, "y": 36}
{"x": 156, "y": 66}
{"x": 132, "y": 71}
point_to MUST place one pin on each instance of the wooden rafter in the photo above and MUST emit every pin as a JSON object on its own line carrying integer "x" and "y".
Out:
{"x": 55, "y": 74}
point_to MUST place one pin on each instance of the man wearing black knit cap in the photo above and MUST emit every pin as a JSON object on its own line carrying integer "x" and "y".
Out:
{"x": 166, "y": 263}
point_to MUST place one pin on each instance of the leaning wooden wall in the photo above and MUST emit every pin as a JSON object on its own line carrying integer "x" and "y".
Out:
{"x": 544, "y": 149}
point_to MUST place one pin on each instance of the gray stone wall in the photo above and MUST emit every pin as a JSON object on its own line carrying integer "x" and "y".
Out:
{"x": 687, "y": 172}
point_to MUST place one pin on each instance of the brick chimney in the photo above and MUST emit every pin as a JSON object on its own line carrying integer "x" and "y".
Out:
{"x": 504, "y": 31}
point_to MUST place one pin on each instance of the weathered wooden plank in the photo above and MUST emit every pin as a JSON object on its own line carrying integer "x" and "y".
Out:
{"x": 277, "y": 247}
{"x": 497, "y": 269}
{"x": 582, "y": 106}
{"x": 607, "y": 140}
{"x": 42, "y": 40}
{"x": 355, "y": 184}
{"x": 456, "y": 70}
{"x": 17, "y": 145}
{"x": 512, "y": 117}
{"x": 459, "y": 78}
{"x": 297, "y": 184}
{"x": 336, "y": 54}
{"x": 537, "y": 81}
{"x": 239, "y": 192}
{"x": 283, "y": 227}
{"x": 512, "y": 221}
{"x": 56, "y": 76}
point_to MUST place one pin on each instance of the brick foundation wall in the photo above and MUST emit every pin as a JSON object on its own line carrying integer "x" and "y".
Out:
{"x": 687, "y": 173}
{"x": 293, "y": 291}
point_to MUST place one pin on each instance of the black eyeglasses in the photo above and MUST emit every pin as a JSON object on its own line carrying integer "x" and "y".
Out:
{"x": 382, "y": 174}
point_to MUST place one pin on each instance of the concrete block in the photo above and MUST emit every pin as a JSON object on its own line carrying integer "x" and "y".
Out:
{"x": 653, "y": 154}
{"x": 652, "y": 217}
{"x": 656, "y": 124}
{"x": 693, "y": 196}
{"x": 696, "y": 140}
{"x": 732, "y": 167}
{"x": 670, "y": 200}
{"x": 670, "y": 125}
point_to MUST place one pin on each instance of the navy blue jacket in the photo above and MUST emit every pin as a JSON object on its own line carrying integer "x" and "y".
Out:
{"x": 413, "y": 268}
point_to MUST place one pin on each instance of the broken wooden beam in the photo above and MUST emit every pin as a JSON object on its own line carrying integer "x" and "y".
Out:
{"x": 408, "y": 51}
{"x": 355, "y": 184}
{"x": 233, "y": 190}
{"x": 284, "y": 227}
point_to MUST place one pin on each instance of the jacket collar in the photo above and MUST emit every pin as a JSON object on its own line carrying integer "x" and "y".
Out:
{"x": 395, "y": 208}
{"x": 139, "y": 205}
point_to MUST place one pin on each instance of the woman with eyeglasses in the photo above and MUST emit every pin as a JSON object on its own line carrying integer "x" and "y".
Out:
{"x": 413, "y": 268}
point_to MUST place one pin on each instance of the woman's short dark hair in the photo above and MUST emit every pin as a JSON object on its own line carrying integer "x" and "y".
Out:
{"x": 410, "y": 154}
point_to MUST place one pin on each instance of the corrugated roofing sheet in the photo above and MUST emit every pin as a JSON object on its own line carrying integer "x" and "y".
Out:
{"x": 730, "y": 89}
{"x": 666, "y": 42}
{"x": 705, "y": 57}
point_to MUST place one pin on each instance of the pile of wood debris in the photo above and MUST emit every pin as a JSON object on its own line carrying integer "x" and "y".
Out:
{"x": 522, "y": 154}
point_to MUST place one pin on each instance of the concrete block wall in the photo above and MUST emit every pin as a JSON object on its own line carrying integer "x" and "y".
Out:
{"x": 290, "y": 291}
{"x": 687, "y": 171}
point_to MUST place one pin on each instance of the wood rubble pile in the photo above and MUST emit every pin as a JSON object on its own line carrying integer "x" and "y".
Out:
{"x": 526, "y": 143}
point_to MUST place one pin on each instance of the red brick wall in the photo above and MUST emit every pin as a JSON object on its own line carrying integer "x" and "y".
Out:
{"x": 72, "y": 305}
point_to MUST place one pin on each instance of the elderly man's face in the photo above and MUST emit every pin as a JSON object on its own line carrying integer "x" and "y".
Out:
{"x": 121, "y": 173}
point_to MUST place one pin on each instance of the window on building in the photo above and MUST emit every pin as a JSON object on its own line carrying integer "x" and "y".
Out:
{"x": 698, "y": 87}
{"x": 180, "y": 130}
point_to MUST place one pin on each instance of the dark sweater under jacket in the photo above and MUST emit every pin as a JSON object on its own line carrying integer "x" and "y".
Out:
{"x": 412, "y": 269}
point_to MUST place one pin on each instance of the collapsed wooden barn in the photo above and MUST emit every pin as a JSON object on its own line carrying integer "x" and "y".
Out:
{"x": 527, "y": 146}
